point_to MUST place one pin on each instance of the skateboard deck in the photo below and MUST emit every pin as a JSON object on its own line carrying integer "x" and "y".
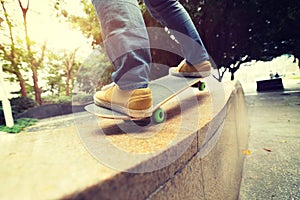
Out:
{"x": 163, "y": 90}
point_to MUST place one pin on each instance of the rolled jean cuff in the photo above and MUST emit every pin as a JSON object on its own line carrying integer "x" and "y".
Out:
{"x": 204, "y": 57}
{"x": 133, "y": 86}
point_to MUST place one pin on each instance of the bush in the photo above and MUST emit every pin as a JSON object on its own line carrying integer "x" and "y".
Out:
{"x": 19, "y": 125}
{"x": 18, "y": 105}
{"x": 21, "y": 104}
{"x": 2, "y": 120}
{"x": 64, "y": 100}
{"x": 54, "y": 99}
{"x": 82, "y": 98}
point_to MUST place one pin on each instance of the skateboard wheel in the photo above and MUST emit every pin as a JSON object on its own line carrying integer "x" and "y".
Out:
{"x": 201, "y": 86}
{"x": 158, "y": 116}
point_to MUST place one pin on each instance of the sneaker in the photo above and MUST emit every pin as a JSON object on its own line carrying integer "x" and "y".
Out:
{"x": 202, "y": 69}
{"x": 135, "y": 103}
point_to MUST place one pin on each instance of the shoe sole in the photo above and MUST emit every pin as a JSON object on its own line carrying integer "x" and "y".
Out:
{"x": 130, "y": 112}
{"x": 190, "y": 74}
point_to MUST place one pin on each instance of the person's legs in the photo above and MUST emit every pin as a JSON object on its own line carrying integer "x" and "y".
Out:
{"x": 126, "y": 41}
{"x": 127, "y": 45}
{"x": 173, "y": 15}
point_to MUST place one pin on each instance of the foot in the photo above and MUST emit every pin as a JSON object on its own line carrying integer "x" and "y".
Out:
{"x": 135, "y": 103}
{"x": 202, "y": 69}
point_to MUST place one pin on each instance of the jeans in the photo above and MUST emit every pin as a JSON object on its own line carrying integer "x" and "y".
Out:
{"x": 126, "y": 40}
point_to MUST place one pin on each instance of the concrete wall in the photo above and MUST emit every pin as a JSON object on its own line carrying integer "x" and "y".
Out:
{"x": 50, "y": 110}
{"x": 217, "y": 174}
{"x": 210, "y": 168}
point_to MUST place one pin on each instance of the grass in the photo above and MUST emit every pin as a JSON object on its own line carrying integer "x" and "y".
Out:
{"x": 19, "y": 125}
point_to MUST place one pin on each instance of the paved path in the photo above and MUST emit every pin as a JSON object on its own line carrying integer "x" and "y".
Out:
{"x": 272, "y": 170}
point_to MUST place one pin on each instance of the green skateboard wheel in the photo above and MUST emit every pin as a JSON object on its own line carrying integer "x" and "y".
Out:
{"x": 201, "y": 86}
{"x": 158, "y": 116}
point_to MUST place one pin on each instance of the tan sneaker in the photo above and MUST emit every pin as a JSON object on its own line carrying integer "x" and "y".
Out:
{"x": 184, "y": 69}
{"x": 135, "y": 103}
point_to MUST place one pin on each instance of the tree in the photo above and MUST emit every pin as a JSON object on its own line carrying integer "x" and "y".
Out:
{"x": 54, "y": 79}
{"x": 62, "y": 68}
{"x": 89, "y": 24}
{"x": 34, "y": 62}
{"x": 95, "y": 72}
{"x": 71, "y": 69}
{"x": 276, "y": 30}
{"x": 237, "y": 31}
{"x": 11, "y": 54}
{"x": 224, "y": 30}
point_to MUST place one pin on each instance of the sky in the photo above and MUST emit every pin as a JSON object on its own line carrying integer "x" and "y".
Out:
{"x": 44, "y": 26}
{"x": 59, "y": 35}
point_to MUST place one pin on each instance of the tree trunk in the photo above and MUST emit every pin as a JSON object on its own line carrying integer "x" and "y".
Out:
{"x": 68, "y": 85}
{"x": 37, "y": 91}
{"x": 70, "y": 66}
{"x": 23, "y": 88}
{"x": 32, "y": 61}
{"x": 22, "y": 84}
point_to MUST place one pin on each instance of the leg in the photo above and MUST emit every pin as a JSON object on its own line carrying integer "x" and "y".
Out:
{"x": 173, "y": 15}
{"x": 126, "y": 41}
{"x": 127, "y": 45}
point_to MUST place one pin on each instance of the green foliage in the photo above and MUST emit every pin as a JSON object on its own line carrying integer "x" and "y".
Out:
{"x": 238, "y": 31}
{"x": 12, "y": 51}
{"x": 80, "y": 99}
{"x": 54, "y": 79}
{"x": 54, "y": 99}
{"x": 17, "y": 53}
{"x": 95, "y": 72}
{"x": 21, "y": 104}
{"x": 64, "y": 100}
{"x": 2, "y": 120}
{"x": 19, "y": 125}
{"x": 18, "y": 105}
{"x": 62, "y": 68}
{"x": 88, "y": 24}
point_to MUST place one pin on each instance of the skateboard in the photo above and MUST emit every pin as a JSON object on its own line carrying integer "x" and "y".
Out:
{"x": 163, "y": 90}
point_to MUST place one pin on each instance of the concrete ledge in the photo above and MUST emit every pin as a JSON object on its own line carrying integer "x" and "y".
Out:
{"x": 190, "y": 156}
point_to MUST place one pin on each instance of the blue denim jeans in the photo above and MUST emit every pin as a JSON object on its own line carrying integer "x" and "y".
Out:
{"x": 126, "y": 40}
